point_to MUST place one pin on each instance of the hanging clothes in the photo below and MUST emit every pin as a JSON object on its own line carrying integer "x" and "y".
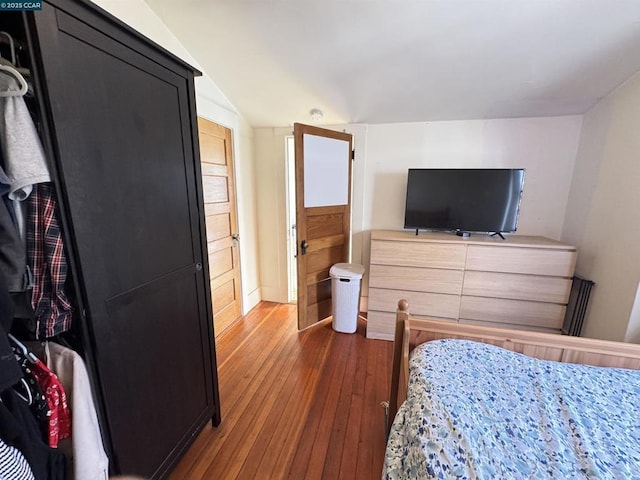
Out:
{"x": 39, "y": 404}
{"x": 27, "y": 177}
{"x": 12, "y": 252}
{"x": 86, "y": 451}
{"x": 45, "y": 252}
{"x": 19, "y": 429}
{"x": 24, "y": 160}
{"x": 59, "y": 422}
{"x": 10, "y": 371}
{"x": 13, "y": 465}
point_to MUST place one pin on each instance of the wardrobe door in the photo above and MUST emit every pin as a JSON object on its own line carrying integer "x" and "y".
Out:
{"x": 122, "y": 120}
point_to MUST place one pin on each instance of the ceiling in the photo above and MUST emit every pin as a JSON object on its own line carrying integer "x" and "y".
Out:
{"x": 386, "y": 61}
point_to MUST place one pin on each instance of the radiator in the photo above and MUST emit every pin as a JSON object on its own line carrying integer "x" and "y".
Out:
{"x": 577, "y": 306}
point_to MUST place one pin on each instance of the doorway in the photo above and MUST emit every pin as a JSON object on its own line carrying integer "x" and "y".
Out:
{"x": 323, "y": 160}
{"x": 221, "y": 219}
{"x": 292, "y": 284}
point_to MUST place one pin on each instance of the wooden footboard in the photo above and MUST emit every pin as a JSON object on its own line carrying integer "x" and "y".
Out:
{"x": 412, "y": 331}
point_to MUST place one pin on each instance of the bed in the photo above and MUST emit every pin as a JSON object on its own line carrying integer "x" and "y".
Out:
{"x": 492, "y": 403}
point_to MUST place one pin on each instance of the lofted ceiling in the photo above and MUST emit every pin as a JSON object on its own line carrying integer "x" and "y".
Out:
{"x": 385, "y": 61}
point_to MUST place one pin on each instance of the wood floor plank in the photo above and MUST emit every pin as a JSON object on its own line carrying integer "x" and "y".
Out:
{"x": 352, "y": 436}
{"x": 232, "y": 342}
{"x": 377, "y": 413}
{"x": 238, "y": 379}
{"x": 242, "y": 388}
{"x": 336, "y": 445}
{"x": 227, "y": 341}
{"x": 306, "y": 446}
{"x": 252, "y": 401}
{"x": 330, "y": 387}
{"x": 229, "y": 461}
{"x": 364, "y": 467}
{"x": 294, "y": 404}
{"x": 271, "y": 455}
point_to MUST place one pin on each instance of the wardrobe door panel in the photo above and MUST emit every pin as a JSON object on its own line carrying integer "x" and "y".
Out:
{"x": 121, "y": 129}
{"x": 163, "y": 390}
{"x": 122, "y": 124}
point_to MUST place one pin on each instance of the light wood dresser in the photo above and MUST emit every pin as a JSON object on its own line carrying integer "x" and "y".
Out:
{"x": 520, "y": 282}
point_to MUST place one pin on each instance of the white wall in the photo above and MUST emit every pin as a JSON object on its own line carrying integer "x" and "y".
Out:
{"x": 269, "y": 148}
{"x": 603, "y": 216}
{"x": 213, "y": 105}
{"x": 546, "y": 147}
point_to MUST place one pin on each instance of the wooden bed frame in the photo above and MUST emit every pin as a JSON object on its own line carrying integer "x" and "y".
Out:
{"x": 412, "y": 331}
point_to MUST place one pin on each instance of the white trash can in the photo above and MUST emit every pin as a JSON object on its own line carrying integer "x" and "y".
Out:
{"x": 345, "y": 295}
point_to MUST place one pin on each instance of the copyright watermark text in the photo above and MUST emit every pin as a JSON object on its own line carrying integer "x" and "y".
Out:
{"x": 30, "y": 6}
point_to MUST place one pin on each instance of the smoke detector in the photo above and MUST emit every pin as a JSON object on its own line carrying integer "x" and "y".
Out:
{"x": 316, "y": 114}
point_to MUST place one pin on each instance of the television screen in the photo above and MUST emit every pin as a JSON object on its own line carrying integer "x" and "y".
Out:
{"x": 465, "y": 200}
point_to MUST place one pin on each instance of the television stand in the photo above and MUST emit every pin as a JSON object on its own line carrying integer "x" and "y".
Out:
{"x": 462, "y": 234}
{"x": 499, "y": 234}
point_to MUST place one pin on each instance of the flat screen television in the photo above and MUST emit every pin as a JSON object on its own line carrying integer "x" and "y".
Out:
{"x": 464, "y": 200}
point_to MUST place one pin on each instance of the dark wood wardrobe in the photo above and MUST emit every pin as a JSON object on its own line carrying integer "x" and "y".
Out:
{"x": 118, "y": 121}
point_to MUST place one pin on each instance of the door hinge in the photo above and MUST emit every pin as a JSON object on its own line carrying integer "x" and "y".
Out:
{"x": 353, "y": 154}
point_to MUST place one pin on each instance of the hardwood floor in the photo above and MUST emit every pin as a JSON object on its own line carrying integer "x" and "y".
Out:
{"x": 298, "y": 405}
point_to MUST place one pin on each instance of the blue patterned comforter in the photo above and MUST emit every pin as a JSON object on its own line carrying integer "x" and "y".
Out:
{"x": 479, "y": 411}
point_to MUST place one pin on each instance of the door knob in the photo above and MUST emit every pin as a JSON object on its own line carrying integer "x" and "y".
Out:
{"x": 303, "y": 247}
{"x": 235, "y": 237}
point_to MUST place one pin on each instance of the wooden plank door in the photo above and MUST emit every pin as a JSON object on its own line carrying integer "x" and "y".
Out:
{"x": 216, "y": 155}
{"x": 323, "y": 215}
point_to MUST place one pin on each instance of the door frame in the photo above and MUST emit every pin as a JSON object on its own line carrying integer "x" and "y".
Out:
{"x": 290, "y": 205}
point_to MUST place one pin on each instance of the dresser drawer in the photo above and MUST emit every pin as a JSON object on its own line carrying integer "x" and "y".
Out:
{"x": 518, "y": 287}
{"x": 558, "y": 263}
{"x": 381, "y": 325}
{"x": 432, "y": 280}
{"x": 515, "y": 312}
{"x": 421, "y": 303}
{"x": 514, "y": 326}
{"x": 414, "y": 254}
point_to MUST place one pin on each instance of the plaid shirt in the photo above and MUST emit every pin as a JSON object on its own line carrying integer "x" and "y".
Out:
{"x": 45, "y": 252}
